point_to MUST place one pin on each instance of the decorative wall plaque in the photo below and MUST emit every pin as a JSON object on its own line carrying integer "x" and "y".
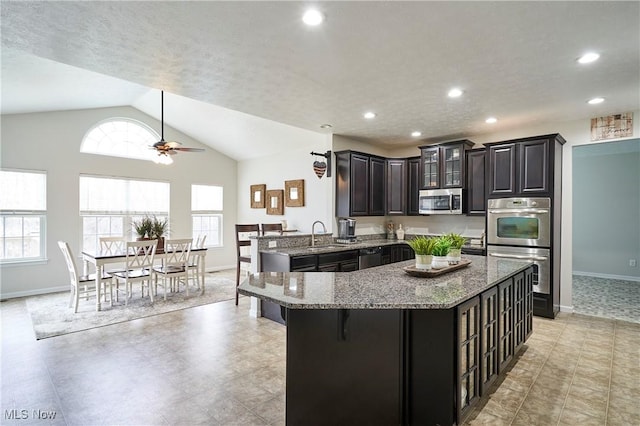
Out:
{"x": 612, "y": 126}
{"x": 294, "y": 193}
{"x": 275, "y": 201}
{"x": 257, "y": 196}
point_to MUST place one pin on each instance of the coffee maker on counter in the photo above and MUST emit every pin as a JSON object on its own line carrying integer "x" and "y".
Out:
{"x": 346, "y": 230}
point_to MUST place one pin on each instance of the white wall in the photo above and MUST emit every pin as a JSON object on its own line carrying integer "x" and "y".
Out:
{"x": 51, "y": 142}
{"x": 295, "y": 164}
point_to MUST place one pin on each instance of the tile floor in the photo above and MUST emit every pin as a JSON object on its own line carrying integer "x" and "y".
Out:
{"x": 606, "y": 298}
{"x": 214, "y": 365}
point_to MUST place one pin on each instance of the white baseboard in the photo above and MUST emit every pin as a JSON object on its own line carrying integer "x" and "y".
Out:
{"x": 567, "y": 309}
{"x": 220, "y": 268}
{"x": 35, "y": 292}
{"x": 607, "y": 276}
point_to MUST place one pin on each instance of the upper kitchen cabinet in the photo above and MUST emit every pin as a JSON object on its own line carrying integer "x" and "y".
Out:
{"x": 524, "y": 167}
{"x": 442, "y": 166}
{"x": 397, "y": 186}
{"x": 413, "y": 185}
{"x": 476, "y": 201}
{"x": 360, "y": 184}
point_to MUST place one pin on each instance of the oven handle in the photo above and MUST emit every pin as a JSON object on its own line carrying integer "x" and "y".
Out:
{"x": 524, "y": 257}
{"x": 502, "y": 211}
{"x": 450, "y": 202}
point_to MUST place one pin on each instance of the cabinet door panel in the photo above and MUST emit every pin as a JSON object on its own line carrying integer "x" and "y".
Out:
{"x": 534, "y": 166}
{"x": 413, "y": 165}
{"x": 377, "y": 188}
{"x": 476, "y": 198}
{"x": 430, "y": 168}
{"x": 452, "y": 172}
{"x": 502, "y": 173}
{"x": 396, "y": 187}
{"x": 359, "y": 185}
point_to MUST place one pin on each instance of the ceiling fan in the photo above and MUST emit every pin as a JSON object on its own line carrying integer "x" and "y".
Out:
{"x": 164, "y": 148}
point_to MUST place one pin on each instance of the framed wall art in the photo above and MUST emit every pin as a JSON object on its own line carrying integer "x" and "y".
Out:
{"x": 275, "y": 201}
{"x": 258, "y": 196}
{"x": 294, "y": 193}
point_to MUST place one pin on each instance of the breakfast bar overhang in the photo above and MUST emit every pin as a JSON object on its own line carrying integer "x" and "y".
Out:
{"x": 378, "y": 346}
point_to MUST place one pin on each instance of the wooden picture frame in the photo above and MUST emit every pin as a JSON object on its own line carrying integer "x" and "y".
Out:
{"x": 275, "y": 201}
{"x": 258, "y": 194}
{"x": 294, "y": 193}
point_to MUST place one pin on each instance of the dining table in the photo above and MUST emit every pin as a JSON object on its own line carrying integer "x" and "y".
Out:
{"x": 101, "y": 258}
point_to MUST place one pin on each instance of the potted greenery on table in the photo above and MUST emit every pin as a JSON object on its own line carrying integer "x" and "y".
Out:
{"x": 423, "y": 247}
{"x": 455, "y": 251}
{"x": 158, "y": 229}
{"x": 440, "y": 251}
{"x": 143, "y": 227}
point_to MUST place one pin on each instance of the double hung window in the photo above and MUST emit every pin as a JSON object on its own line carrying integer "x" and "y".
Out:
{"x": 206, "y": 213}
{"x": 23, "y": 213}
{"x": 108, "y": 206}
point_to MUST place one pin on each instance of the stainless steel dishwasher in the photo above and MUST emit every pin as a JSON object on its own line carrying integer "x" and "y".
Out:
{"x": 369, "y": 257}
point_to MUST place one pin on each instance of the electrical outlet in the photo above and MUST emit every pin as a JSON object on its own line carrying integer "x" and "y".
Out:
{"x": 273, "y": 244}
{"x": 633, "y": 263}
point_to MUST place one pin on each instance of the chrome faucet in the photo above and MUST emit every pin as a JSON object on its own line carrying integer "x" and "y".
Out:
{"x": 313, "y": 233}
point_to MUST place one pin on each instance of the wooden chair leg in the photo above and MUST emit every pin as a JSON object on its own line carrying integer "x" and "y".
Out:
{"x": 237, "y": 281}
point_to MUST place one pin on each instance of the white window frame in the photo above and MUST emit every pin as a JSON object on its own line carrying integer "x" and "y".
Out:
{"x": 210, "y": 214}
{"x": 127, "y": 216}
{"x": 41, "y": 215}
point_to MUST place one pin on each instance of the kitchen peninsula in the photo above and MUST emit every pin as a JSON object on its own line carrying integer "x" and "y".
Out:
{"x": 378, "y": 346}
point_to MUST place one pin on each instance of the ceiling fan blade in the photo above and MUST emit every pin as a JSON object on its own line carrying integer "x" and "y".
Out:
{"x": 188, "y": 149}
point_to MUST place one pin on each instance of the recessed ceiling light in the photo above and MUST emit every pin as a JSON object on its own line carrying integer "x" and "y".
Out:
{"x": 491, "y": 120}
{"x": 454, "y": 93}
{"x": 326, "y": 126}
{"x": 369, "y": 115}
{"x": 587, "y": 58}
{"x": 312, "y": 17}
{"x": 416, "y": 134}
{"x": 595, "y": 101}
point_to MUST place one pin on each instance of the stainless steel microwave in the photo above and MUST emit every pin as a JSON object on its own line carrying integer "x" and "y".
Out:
{"x": 440, "y": 201}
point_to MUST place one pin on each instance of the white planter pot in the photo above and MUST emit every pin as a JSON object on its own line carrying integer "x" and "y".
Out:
{"x": 423, "y": 261}
{"x": 439, "y": 262}
{"x": 454, "y": 257}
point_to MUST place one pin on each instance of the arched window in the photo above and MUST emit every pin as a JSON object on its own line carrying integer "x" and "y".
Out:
{"x": 121, "y": 137}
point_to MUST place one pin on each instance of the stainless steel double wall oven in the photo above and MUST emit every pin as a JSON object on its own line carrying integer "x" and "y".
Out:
{"x": 520, "y": 228}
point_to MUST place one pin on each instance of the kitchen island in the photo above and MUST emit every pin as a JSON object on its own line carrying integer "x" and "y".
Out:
{"x": 378, "y": 346}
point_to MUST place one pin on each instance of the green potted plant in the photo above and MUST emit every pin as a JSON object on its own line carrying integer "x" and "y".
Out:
{"x": 143, "y": 227}
{"x": 423, "y": 247}
{"x": 457, "y": 241}
{"x": 440, "y": 251}
{"x": 158, "y": 229}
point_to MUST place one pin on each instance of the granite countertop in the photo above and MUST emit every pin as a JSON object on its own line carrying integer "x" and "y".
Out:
{"x": 382, "y": 287}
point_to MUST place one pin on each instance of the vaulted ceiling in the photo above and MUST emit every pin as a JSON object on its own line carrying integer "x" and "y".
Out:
{"x": 245, "y": 65}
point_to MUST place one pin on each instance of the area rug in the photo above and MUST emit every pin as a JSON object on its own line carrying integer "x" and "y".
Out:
{"x": 51, "y": 315}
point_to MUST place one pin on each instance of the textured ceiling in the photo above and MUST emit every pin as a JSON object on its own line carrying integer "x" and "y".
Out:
{"x": 514, "y": 60}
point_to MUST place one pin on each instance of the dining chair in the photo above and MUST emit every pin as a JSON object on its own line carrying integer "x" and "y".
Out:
{"x": 174, "y": 265}
{"x": 271, "y": 227}
{"x": 82, "y": 284}
{"x": 112, "y": 245}
{"x": 242, "y": 231}
{"x": 138, "y": 267}
{"x": 195, "y": 259}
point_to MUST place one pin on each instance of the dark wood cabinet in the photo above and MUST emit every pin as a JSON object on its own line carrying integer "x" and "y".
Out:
{"x": 443, "y": 165}
{"x": 476, "y": 200}
{"x": 524, "y": 167}
{"x": 488, "y": 339}
{"x": 331, "y": 355}
{"x": 360, "y": 184}
{"x": 396, "y": 253}
{"x": 397, "y": 191}
{"x": 505, "y": 324}
{"x": 468, "y": 319}
{"x": 339, "y": 261}
{"x": 413, "y": 178}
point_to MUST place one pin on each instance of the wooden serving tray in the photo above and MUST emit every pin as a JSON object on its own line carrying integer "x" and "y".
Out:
{"x": 423, "y": 273}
